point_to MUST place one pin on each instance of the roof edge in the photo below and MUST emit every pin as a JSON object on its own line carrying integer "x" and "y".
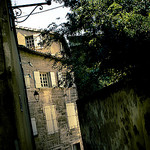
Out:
{"x": 46, "y": 55}
{"x": 29, "y": 29}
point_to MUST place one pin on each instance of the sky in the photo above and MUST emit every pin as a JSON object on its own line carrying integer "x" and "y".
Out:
{"x": 41, "y": 20}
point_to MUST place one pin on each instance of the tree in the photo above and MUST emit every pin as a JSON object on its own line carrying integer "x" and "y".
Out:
{"x": 109, "y": 40}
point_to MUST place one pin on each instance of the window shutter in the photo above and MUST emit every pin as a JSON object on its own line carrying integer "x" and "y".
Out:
{"x": 53, "y": 108}
{"x": 33, "y": 122}
{"x": 71, "y": 114}
{"x": 27, "y": 81}
{"x": 53, "y": 79}
{"x": 37, "y": 79}
{"x": 49, "y": 121}
{"x": 50, "y": 113}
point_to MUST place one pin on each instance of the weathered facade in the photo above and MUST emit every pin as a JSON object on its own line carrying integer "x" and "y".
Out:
{"x": 32, "y": 39}
{"x": 117, "y": 117}
{"x": 15, "y": 125}
{"x": 52, "y": 105}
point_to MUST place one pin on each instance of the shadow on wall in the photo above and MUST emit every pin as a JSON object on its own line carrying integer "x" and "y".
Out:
{"x": 117, "y": 118}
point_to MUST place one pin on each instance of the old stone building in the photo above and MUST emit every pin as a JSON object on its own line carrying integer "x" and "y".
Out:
{"x": 52, "y": 102}
{"x": 32, "y": 39}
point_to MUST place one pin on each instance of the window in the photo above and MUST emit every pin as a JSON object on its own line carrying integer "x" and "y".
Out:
{"x": 71, "y": 114}
{"x": 30, "y": 42}
{"x": 76, "y": 146}
{"x": 50, "y": 114}
{"x": 34, "y": 129}
{"x": 46, "y": 79}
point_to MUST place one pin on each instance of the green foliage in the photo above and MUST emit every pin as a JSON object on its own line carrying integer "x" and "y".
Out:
{"x": 109, "y": 39}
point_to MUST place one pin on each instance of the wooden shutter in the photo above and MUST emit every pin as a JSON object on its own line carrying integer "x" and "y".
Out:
{"x": 27, "y": 81}
{"x": 50, "y": 113}
{"x": 33, "y": 122}
{"x": 71, "y": 114}
{"x": 49, "y": 121}
{"x": 37, "y": 79}
{"x": 53, "y": 111}
{"x": 53, "y": 79}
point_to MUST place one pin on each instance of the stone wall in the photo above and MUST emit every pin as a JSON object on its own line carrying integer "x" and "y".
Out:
{"x": 65, "y": 138}
{"x": 116, "y": 118}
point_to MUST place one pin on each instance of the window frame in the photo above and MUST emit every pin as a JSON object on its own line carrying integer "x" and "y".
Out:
{"x": 44, "y": 79}
{"x": 30, "y": 42}
{"x": 51, "y": 80}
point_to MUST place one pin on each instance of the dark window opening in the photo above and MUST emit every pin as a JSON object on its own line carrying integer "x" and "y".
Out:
{"x": 76, "y": 146}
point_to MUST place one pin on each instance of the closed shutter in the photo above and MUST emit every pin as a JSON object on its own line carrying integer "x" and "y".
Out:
{"x": 27, "y": 81}
{"x": 49, "y": 121}
{"x": 53, "y": 108}
{"x": 37, "y": 79}
{"x": 50, "y": 113}
{"x": 33, "y": 122}
{"x": 71, "y": 114}
{"x": 53, "y": 79}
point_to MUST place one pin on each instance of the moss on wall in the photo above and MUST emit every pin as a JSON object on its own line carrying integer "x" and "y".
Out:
{"x": 116, "y": 119}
